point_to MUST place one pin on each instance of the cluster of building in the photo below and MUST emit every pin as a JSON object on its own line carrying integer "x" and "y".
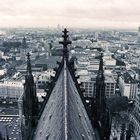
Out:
{"x": 120, "y": 49}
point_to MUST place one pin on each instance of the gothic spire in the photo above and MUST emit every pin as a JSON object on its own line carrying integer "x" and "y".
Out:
{"x": 101, "y": 71}
{"x": 101, "y": 62}
{"x": 65, "y": 42}
{"x": 30, "y": 102}
{"x": 29, "y": 70}
{"x": 101, "y": 114}
{"x": 100, "y": 85}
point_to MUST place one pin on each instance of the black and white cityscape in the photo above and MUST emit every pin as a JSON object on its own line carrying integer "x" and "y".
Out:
{"x": 69, "y": 70}
{"x": 77, "y": 85}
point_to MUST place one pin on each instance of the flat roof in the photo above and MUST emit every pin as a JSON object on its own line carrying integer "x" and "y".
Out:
{"x": 109, "y": 79}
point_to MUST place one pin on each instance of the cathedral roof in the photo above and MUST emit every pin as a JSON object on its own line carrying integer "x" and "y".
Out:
{"x": 64, "y": 116}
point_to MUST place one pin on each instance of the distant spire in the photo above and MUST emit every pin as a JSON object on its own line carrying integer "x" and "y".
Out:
{"x": 65, "y": 42}
{"x": 29, "y": 70}
{"x": 30, "y": 100}
{"x": 24, "y": 44}
{"x": 99, "y": 103}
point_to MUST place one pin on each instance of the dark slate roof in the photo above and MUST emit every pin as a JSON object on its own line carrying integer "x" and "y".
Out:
{"x": 64, "y": 116}
{"x": 128, "y": 79}
{"x": 51, "y": 62}
{"x": 136, "y": 69}
{"x": 120, "y": 63}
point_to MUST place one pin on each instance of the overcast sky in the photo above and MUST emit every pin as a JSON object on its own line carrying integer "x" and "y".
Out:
{"x": 70, "y": 13}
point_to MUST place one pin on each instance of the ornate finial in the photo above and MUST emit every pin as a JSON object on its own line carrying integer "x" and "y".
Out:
{"x": 65, "y": 41}
{"x": 65, "y": 31}
{"x": 28, "y": 55}
{"x": 29, "y": 71}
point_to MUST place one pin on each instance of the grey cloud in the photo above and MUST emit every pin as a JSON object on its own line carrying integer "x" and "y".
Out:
{"x": 89, "y": 12}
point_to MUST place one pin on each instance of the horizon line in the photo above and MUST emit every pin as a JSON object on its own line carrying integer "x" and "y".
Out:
{"x": 80, "y": 28}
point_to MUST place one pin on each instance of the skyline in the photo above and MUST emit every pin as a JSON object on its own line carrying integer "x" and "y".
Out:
{"x": 120, "y": 14}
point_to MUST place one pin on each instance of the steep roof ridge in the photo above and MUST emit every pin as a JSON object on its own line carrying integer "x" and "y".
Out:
{"x": 65, "y": 101}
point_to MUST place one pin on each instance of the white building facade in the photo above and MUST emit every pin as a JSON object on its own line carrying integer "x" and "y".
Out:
{"x": 127, "y": 85}
{"x": 11, "y": 89}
